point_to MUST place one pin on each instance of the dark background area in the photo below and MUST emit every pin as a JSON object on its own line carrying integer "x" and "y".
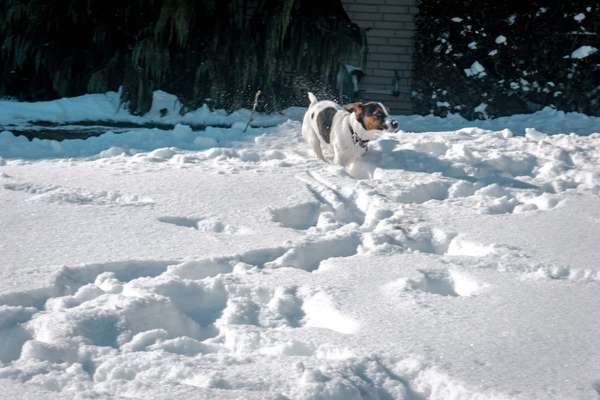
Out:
{"x": 209, "y": 51}
{"x": 221, "y": 52}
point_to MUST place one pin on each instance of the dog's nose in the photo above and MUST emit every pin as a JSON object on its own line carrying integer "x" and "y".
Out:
{"x": 393, "y": 125}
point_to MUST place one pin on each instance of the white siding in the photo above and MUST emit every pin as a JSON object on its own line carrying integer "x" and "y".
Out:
{"x": 391, "y": 46}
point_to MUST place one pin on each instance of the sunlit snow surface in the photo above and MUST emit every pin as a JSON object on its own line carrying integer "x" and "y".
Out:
{"x": 458, "y": 260}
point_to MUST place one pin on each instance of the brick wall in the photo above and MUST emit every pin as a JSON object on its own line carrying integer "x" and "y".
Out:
{"x": 391, "y": 45}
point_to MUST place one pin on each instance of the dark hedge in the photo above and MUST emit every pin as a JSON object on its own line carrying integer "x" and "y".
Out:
{"x": 213, "y": 51}
{"x": 523, "y": 47}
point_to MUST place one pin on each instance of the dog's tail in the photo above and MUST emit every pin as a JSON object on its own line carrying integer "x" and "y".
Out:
{"x": 312, "y": 98}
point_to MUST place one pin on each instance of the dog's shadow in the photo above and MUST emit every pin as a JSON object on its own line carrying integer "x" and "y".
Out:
{"x": 386, "y": 156}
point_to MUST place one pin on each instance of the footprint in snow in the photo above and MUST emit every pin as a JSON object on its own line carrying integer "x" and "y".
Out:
{"x": 300, "y": 216}
{"x": 206, "y": 225}
{"x": 63, "y": 195}
{"x": 440, "y": 282}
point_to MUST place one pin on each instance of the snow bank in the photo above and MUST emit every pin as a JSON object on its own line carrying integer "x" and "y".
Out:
{"x": 107, "y": 107}
{"x": 175, "y": 130}
{"x": 131, "y": 141}
{"x": 547, "y": 120}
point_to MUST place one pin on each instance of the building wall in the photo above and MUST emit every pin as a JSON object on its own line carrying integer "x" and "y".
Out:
{"x": 391, "y": 46}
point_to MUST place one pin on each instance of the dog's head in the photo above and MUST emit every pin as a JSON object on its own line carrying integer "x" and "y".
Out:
{"x": 373, "y": 116}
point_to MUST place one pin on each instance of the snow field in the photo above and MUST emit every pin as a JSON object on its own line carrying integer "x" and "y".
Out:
{"x": 448, "y": 265}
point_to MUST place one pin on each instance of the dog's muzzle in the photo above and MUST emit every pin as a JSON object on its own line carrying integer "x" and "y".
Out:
{"x": 392, "y": 125}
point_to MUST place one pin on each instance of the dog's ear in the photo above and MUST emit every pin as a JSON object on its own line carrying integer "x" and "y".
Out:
{"x": 354, "y": 107}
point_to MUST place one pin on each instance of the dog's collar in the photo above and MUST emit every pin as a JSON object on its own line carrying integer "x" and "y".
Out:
{"x": 357, "y": 140}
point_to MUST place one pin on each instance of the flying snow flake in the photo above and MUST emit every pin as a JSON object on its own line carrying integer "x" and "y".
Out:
{"x": 511, "y": 20}
{"x": 583, "y": 52}
{"x": 579, "y": 17}
{"x": 476, "y": 69}
{"x": 456, "y": 19}
{"x": 493, "y": 52}
{"x": 472, "y": 45}
{"x": 501, "y": 39}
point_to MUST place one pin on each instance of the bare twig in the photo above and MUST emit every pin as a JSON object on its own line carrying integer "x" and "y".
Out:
{"x": 256, "y": 96}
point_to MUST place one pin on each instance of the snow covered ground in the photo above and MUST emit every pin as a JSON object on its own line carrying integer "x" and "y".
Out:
{"x": 460, "y": 261}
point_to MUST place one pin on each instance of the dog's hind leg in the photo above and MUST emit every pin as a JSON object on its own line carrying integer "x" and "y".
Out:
{"x": 310, "y": 136}
{"x": 316, "y": 146}
{"x": 318, "y": 151}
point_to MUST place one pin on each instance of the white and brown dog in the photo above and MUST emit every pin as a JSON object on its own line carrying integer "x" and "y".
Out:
{"x": 347, "y": 130}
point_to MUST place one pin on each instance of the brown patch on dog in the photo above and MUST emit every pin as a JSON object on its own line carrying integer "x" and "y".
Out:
{"x": 372, "y": 123}
{"x": 351, "y": 106}
{"x": 358, "y": 110}
{"x": 373, "y": 117}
